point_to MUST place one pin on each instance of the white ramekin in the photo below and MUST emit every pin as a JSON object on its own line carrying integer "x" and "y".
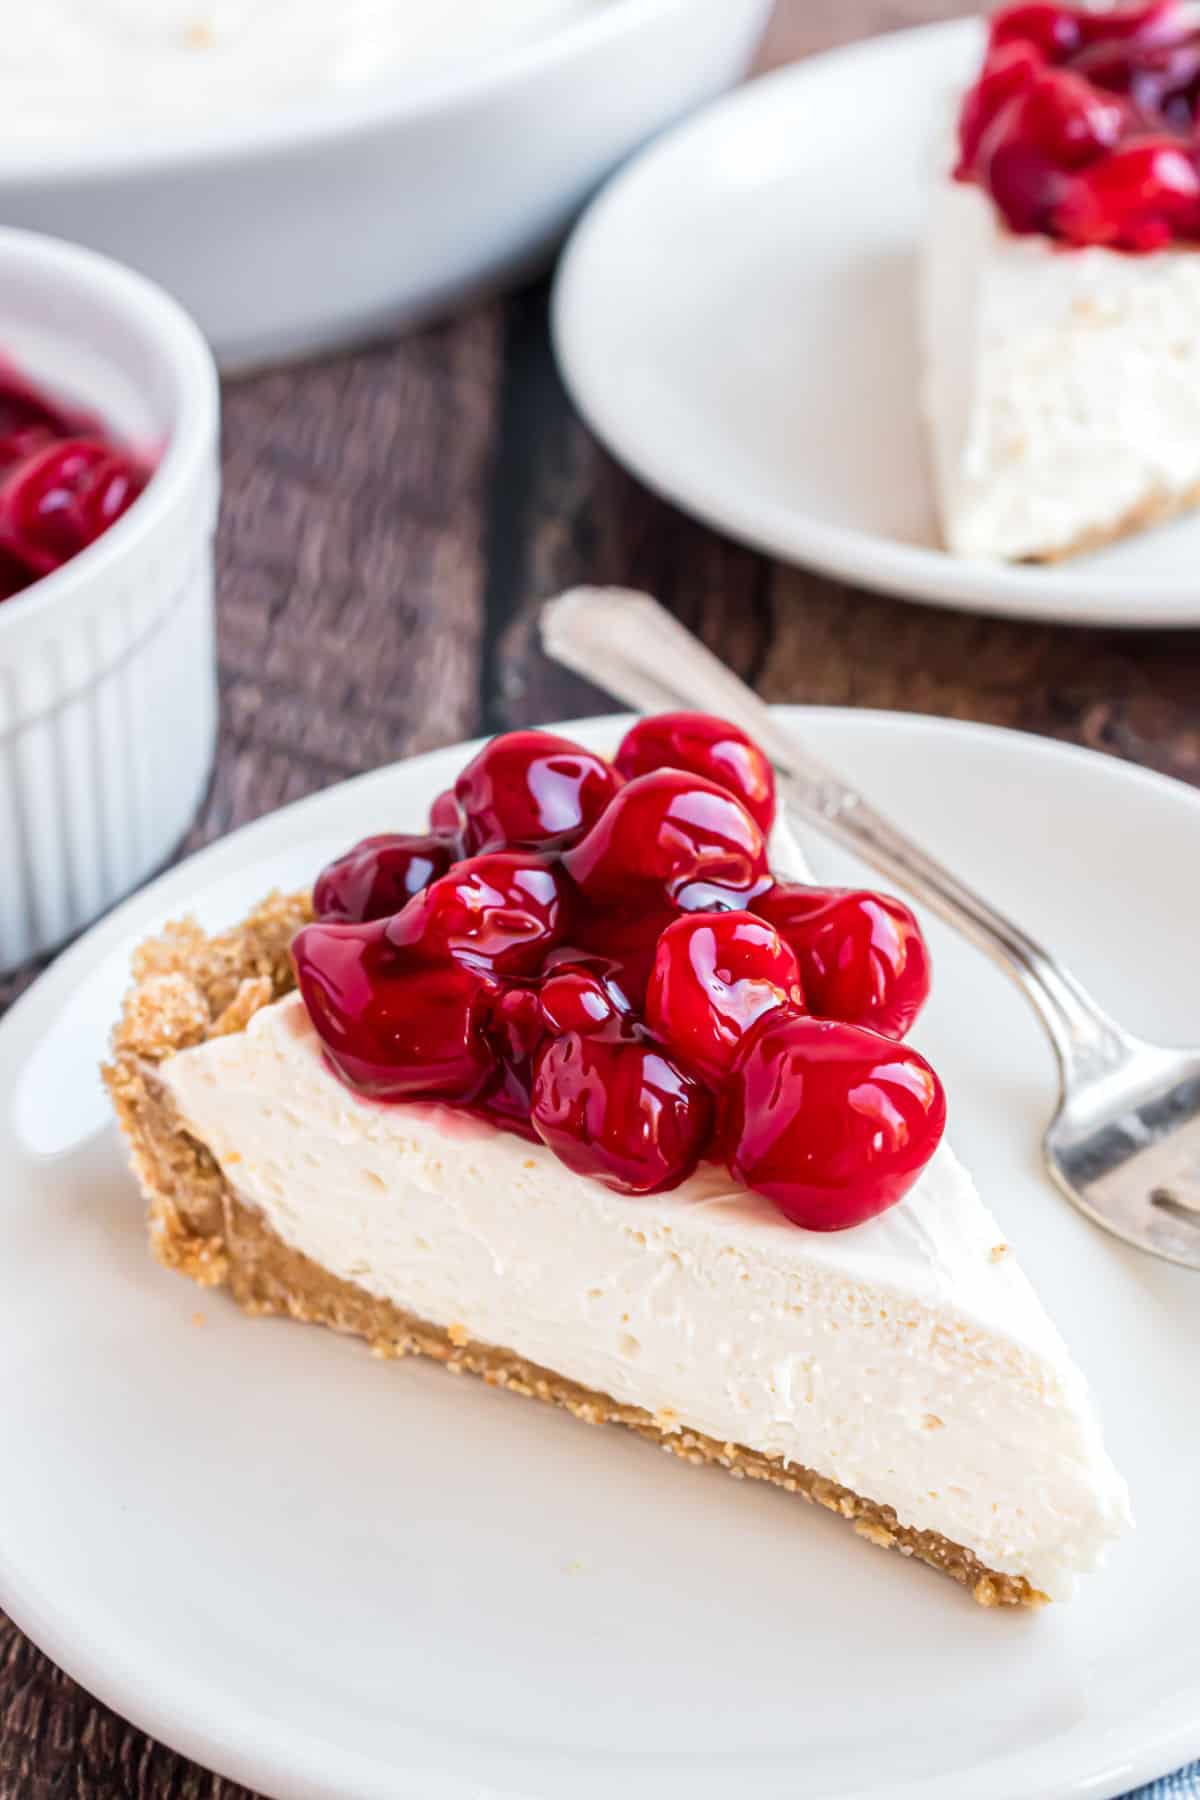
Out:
{"x": 337, "y": 220}
{"x": 107, "y": 667}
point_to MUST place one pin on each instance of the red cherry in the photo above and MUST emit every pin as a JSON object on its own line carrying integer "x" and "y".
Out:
{"x": 1008, "y": 71}
{"x": 18, "y": 446}
{"x": 1099, "y": 148}
{"x": 1066, "y": 118}
{"x": 1054, "y": 30}
{"x": 1137, "y": 198}
{"x": 23, "y": 407}
{"x": 862, "y": 956}
{"x": 1165, "y": 90}
{"x": 832, "y": 1123}
{"x": 520, "y": 1019}
{"x": 1149, "y": 53}
{"x": 1026, "y": 184}
{"x": 499, "y": 913}
{"x": 505, "y": 1101}
{"x": 671, "y": 840}
{"x": 112, "y": 491}
{"x": 14, "y": 576}
{"x": 445, "y": 817}
{"x": 1159, "y": 22}
{"x": 715, "y": 975}
{"x": 59, "y": 500}
{"x": 573, "y": 958}
{"x": 620, "y": 1109}
{"x": 378, "y": 876}
{"x": 516, "y": 1023}
{"x": 702, "y": 745}
{"x": 41, "y": 519}
{"x": 573, "y": 999}
{"x": 618, "y": 945}
{"x": 529, "y": 789}
{"x": 516, "y": 1031}
{"x": 394, "y": 1024}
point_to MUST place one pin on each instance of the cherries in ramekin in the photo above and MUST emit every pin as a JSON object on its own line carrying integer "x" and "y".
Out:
{"x": 1082, "y": 124}
{"x": 597, "y": 955}
{"x": 64, "y": 479}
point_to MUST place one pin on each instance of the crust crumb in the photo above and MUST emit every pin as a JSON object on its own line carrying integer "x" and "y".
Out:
{"x": 1155, "y": 509}
{"x": 252, "y": 995}
{"x": 165, "y": 1013}
{"x": 998, "y": 1252}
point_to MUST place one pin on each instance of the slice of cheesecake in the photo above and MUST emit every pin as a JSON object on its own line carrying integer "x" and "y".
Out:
{"x": 1060, "y": 285}
{"x": 902, "y": 1373}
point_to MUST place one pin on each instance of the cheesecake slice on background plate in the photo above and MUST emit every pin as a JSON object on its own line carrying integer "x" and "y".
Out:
{"x": 572, "y": 1095}
{"x": 1060, "y": 284}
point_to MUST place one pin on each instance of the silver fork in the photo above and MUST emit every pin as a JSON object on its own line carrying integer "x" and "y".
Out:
{"x": 1124, "y": 1143}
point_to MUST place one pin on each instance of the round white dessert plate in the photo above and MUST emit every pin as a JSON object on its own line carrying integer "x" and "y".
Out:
{"x": 329, "y": 1576}
{"x": 735, "y": 316}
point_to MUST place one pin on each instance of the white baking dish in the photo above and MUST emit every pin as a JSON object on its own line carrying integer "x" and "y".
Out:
{"x": 334, "y": 221}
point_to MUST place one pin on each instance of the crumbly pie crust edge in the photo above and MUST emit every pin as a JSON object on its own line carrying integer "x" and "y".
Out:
{"x": 188, "y": 987}
{"x": 1156, "y": 509}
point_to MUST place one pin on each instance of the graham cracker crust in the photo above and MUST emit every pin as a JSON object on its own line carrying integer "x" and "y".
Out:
{"x": 1158, "y": 509}
{"x": 189, "y": 987}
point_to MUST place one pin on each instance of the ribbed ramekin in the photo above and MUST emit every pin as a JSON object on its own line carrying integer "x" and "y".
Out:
{"x": 107, "y": 667}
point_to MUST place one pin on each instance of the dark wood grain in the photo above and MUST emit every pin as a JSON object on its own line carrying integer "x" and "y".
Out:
{"x": 352, "y": 564}
{"x": 571, "y": 515}
{"x": 390, "y": 521}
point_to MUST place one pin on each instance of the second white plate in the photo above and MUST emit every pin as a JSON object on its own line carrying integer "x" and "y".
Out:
{"x": 734, "y": 316}
{"x": 332, "y": 1577}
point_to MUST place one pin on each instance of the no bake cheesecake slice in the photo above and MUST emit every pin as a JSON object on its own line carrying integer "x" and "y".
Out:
{"x": 1060, "y": 284}
{"x": 622, "y": 1123}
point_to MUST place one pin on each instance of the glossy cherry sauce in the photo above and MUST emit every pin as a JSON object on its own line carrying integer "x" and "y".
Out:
{"x": 64, "y": 479}
{"x": 596, "y": 955}
{"x": 1083, "y": 123}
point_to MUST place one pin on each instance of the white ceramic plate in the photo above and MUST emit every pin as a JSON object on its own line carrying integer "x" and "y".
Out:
{"x": 330, "y": 1576}
{"x": 734, "y": 316}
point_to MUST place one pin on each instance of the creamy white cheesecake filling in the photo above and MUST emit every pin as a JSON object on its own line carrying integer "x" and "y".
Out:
{"x": 908, "y": 1360}
{"x": 1061, "y": 386}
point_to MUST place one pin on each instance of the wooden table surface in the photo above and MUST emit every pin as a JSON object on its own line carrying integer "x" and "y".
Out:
{"x": 391, "y": 520}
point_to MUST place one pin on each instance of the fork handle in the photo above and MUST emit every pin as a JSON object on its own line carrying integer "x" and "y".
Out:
{"x": 624, "y": 641}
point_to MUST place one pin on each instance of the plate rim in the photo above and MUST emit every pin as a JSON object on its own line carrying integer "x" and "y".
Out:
{"x": 277, "y": 1758}
{"x": 1064, "y": 594}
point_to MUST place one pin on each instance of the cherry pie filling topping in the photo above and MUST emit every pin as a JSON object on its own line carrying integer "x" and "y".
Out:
{"x": 64, "y": 479}
{"x": 596, "y": 956}
{"x": 1083, "y": 124}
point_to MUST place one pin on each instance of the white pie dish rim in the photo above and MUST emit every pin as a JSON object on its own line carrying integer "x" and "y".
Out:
{"x": 320, "y": 118}
{"x": 475, "y": 172}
